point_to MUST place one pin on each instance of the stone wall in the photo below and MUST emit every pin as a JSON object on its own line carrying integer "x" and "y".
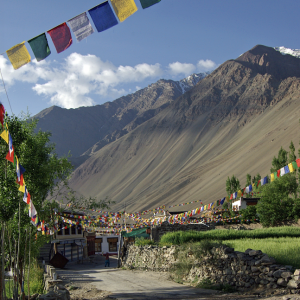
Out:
{"x": 222, "y": 265}
{"x": 158, "y": 231}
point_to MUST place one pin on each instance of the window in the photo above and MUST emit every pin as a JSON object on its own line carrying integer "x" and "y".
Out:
{"x": 112, "y": 244}
{"x": 73, "y": 231}
{"x": 98, "y": 245}
{"x": 79, "y": 229}
{"x": 67, "y": 231}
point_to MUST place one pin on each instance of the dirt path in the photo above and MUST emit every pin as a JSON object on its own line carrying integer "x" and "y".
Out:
{"x": 93, "y": 281}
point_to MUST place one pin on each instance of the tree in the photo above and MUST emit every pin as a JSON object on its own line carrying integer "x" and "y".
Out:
{"x": 248, "y": 179}
{"x": 276, "y": 205}
{"x": 280, "y": 161}
{"x": 292, "y": 156}
{"x": 232, "y": 185}
{"x": 44, "y": 171}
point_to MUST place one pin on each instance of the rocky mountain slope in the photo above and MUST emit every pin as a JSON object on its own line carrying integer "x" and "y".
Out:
{"x": 88, "y": 129}
{"x": 232, "y": 122}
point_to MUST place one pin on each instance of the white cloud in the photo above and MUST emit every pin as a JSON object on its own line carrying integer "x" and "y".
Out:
{"x": 206, "y": 65}
{"x": 181, "y": 68}
{"x": 70, "y": 84}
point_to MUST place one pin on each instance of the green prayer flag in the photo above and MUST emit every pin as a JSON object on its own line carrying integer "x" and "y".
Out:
{"x": 147, "y": 3}
{"x": 40, "y": 47}
{"x": 275, "y": 175}
{"x": 294, "y": 165}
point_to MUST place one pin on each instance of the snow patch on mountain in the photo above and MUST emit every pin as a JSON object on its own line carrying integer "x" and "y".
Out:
{"x": 284, "y": 51}
{"x": 190, "y": 81}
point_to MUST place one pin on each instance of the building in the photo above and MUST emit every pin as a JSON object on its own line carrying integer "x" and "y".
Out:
{"x": 107, "y": 243}
{"x": 243, "y": 203}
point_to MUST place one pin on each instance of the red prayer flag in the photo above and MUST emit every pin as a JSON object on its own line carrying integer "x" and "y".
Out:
{"x": 61, "y": 37}
{"x": 278, "y": 173}
{"x": 2, "y": 113}
{"x": 10, "y": 155}
{"x": 258, "y": 182}
{"x": 298, "y": 162}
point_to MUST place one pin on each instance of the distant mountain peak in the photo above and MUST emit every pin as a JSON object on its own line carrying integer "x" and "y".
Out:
{"x": 284, "y": 51}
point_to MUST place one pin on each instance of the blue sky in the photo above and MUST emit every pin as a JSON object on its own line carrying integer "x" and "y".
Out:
{"x": 170, "y": 40}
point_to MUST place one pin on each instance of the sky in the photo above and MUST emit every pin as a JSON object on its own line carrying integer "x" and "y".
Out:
{"x": 171, "y": 40}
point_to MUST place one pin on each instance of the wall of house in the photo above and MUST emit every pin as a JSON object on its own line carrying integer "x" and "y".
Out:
{"x": 158, "y": 231}
{"x": 105, "y": 243}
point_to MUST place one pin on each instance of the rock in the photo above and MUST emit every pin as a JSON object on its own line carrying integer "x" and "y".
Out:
{"x": 286, "y": 275}
{"x": 228, "y": 250}
{"x": 282, "y": 282}
{"x": 278, "y": 273}
{"x": 297, "y": 272}
{"x": 293, "y": 284}
{"x": 254, "y": 252}
{"x": 247, "y": 251}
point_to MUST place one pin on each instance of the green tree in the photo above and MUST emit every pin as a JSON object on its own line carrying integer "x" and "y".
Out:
{"x": 232, "y": 185}
{"x": 276, "y": 204}
{"x": 280, "y": 161}
{"x": 249, "y": 213}
{"x": 292, "y": 156}
{"x": 248, "y": 179}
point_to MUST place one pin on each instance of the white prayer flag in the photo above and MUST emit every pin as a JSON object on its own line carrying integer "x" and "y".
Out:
{"x": 81, "y": 26}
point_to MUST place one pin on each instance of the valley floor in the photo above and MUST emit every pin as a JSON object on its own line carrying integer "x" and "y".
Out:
{"x": 92, "y": 280}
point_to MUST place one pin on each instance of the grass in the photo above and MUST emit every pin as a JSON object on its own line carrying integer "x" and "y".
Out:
{"x": 143, "y": 242}
{"x": 182, "y": 237}
{"x": 284, "y": 250}
{"x": 36, "y": 281}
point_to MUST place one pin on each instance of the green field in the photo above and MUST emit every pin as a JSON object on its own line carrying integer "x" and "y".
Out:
{"x": 283, "y": 249}
{"x": 182, "y": 237}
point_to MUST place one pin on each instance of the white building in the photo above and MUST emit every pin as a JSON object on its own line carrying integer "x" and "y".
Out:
{"x": 243, "y": 203}
{"x": 107, "y": 243}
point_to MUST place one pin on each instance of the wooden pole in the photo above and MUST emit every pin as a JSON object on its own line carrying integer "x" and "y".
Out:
{"x": 2, "y": 262}
{"x": 28, "y": 274}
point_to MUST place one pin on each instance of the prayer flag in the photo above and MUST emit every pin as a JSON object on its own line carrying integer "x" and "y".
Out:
{"x": 124, "y": 8}
{"x": 258, "y": 182}
{"x": 265, "y": 180}
{"x": 32, "y": 211}
{"x": 2, "y": 114}
{"x": 81, "y": 26}
{"x": 231, "y": 196}
{"x": 10, "y": 143}
{"x": 286, "y": 169}
{"x": 4, "y": 135}
{"x": 10, "y": 155}
{"x": 247, "y": 190}
{"x": 294, "y": 165}
{"x": 282, "y": 171}
{"x": 26, "y": 197}
{"x": 148, "y": 3}
{"x": 291, "y": 168}
{"x": 103, "y": 16}
{"x": 40, "y": 47}
{"x": 298, "y": 162}
{"x": 239, "y": 193}
{"x": 61, "y": 37}
{"x": 222, "y": 201}
{"x": 250, "y": 187}
{"x": 22, "y": 186}
{"x": 278, "y": 173}
{"x": 234, "y": 195}
{"x": 18, "y": 55}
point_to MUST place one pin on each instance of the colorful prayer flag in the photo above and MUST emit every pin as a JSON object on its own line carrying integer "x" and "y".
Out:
{"x": 22, "y": 187}
{"x": 286, "y": 169}
{"x": 4, "y": 135}
{"x": 103, "y": 16}
{"x": 61, "y": 37}
{"x": 32, "y": 211}
{"x": 295, "y": 166}
{"x": 26, "y": 197}
{"x": 40, "y": 47}
{"x": 250, "y": 187}
{"x": 81, "y": 26}
{"x": 2, "y": 114}
{"x": 298, "y": 162}
{"x": 291, "y": 168}
{"x": 265, "y": 180}
{"x": 18, "y": 55}
{"x": 148, "y": 3}
{"x": 124, "y": 8}
{"x": 282, "y": 171}
{"x": 10, "y": 155}
{"x": 278, "y": 173}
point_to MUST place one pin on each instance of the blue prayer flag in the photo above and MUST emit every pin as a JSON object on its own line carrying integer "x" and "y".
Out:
{"x": 286, "y": 169}
{"x": 103, "y": 16}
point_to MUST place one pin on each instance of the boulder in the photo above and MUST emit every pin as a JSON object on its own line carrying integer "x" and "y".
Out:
{"x": 293, "y": 284}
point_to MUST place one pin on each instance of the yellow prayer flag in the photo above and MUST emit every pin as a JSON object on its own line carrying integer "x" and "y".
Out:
{"x": 272, "y": 177}
{"x": 22, "y": 187}
{"x": 291, "y": 168}
{"x": 239, "y": 193}
{"x": 227, "y": 199}
{"x": 18, "y": 55}
{"x": 124, "y": 8}
{"x": 4, "y": 135}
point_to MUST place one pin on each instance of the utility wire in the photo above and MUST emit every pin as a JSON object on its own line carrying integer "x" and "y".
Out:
{"x": 6, "y": 92}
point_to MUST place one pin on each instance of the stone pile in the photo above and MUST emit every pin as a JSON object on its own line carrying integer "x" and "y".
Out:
{"x": 222, "y": 265}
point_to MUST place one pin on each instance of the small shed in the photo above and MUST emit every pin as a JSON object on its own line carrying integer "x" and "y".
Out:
{"x": 243, "y": 203}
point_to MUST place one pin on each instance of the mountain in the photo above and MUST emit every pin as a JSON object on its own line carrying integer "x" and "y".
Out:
{"x": 231, "y": 122}
{"x": 87, "y": 129}
{"x": 293, "y": 52}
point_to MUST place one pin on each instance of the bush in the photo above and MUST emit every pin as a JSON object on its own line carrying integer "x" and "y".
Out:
{"x": 276, "y": 205}
{"x": 249, "y": 213}
{"x": 143, "y": 242}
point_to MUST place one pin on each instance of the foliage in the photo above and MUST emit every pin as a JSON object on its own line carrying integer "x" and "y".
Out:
{"x": 249, "y": 213}
{"x": 143, "y": 242}
{"x": 276, "y": 205}
{"x": 248, "y": 179}
{"x": 292, "y": 156}
{"x": 232, "y": 185}
{"x": 183, "y": 237}
{"x": 283, "y": 249}
{"x": 225, "y": 205}
{"x": 280, "y": 161}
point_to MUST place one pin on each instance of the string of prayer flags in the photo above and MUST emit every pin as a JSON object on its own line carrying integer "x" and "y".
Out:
{"x": 26, "y": 197}
{"x": 61, "y": 37}
{"x": 10, "y": 155}
{"x": 124, "y": 8}
{"x": 40, "y": 46}
{"x": 2, "y": 114}
{"x": 103, "y": 16}
{"x": 148, "y": 3}
{"x": 18, "y": 55}
{"x": 81, "y": 26}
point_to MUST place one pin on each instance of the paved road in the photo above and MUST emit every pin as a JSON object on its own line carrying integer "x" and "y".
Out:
{"x": 126, "y": 284}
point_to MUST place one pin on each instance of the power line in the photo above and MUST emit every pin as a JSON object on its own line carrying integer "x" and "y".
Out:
{"x": 6, "y": 92}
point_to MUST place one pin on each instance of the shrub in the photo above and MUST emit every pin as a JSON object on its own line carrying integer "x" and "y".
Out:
{"x": 143, "y": 242}
{"x": 249, "y": 213}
